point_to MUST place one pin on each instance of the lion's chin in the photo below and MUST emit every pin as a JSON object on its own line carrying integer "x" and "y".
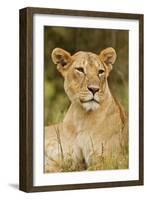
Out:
{"x": 90, "y": 106}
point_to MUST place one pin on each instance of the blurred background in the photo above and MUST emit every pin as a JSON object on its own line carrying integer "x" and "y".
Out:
{"x": 56, "y": 102}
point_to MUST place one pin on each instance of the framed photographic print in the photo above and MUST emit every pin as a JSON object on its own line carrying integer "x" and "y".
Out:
{"x": 81, "y": 99}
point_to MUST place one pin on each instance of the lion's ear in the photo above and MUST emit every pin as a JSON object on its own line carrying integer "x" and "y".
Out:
{"x": 61, "y": 57}
{"x": 108, "y": 56}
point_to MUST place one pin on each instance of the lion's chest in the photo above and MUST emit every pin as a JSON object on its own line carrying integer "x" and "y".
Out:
{"x": 99, "y": 127}
{"x": 101, "y": 136}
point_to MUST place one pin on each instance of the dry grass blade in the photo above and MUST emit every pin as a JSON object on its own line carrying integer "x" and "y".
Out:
{"x": 59, "y": 142}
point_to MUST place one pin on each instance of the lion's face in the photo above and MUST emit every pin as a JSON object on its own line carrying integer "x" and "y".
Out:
{"x": 85, "y": 75}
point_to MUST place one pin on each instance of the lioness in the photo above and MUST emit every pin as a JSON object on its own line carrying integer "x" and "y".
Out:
{"x": 93, "y": 134}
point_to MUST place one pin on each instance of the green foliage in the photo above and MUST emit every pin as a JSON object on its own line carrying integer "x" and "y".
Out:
{"x": 56, "y": 102}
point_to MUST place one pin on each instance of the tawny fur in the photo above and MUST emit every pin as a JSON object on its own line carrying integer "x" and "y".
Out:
{"x": 95, "y": 126}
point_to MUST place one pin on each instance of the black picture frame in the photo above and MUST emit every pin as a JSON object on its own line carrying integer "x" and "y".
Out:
{"x": 26, "y": 99}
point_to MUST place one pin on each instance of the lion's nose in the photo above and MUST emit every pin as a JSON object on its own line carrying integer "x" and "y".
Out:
{"x": 93, "y": 89}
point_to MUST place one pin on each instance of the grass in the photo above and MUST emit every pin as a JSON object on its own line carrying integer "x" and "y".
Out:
{"x": 66, "y": 163}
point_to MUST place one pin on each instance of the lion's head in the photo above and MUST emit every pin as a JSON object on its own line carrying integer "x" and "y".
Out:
{"x": 85, "y": 75}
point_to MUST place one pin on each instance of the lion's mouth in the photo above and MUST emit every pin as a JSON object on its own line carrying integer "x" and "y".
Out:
{"x": 90, "y": 100}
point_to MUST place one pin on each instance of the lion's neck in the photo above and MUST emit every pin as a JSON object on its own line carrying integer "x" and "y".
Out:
{"x": 77, "y": 116}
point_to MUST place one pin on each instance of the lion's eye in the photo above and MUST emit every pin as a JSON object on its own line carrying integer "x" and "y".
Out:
{"x": 80, "y": 69}
{"x": 100, "y": 72}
